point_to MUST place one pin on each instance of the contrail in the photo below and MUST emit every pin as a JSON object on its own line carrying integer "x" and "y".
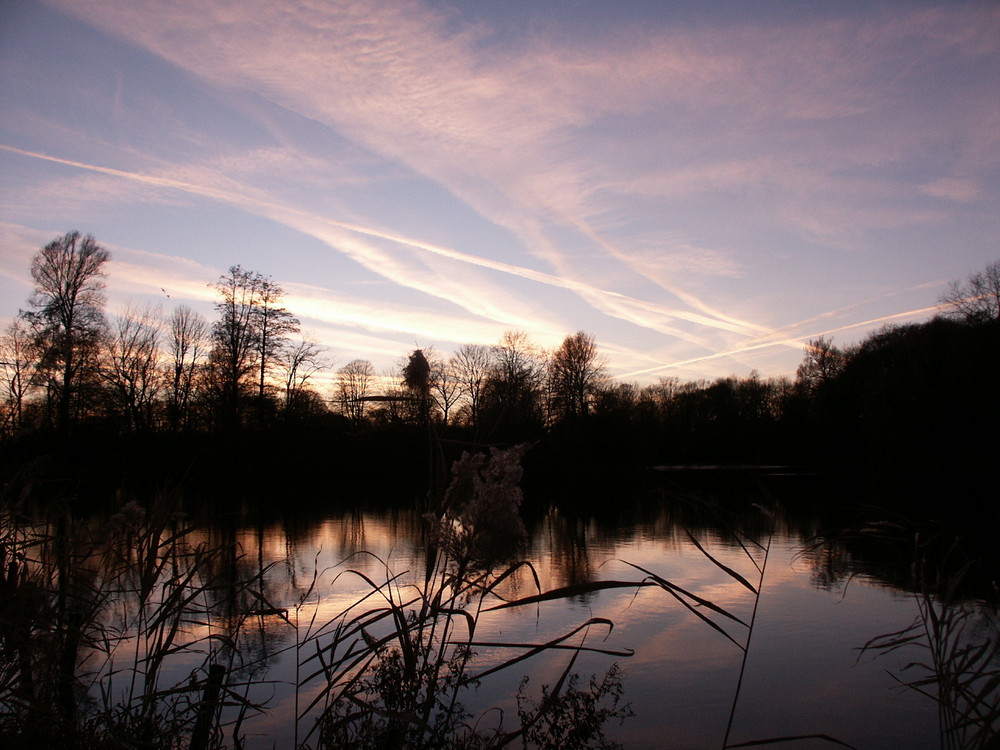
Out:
{"x": 283, "y": 213}
{"x": 730, "y": 323}
{"x": 796, "y": 341}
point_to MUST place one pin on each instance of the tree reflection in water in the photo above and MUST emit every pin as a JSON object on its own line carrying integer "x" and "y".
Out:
{"x": 110, "y": 628}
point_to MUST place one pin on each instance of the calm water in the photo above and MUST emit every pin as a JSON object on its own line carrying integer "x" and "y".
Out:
{"x": 803, "y": 673}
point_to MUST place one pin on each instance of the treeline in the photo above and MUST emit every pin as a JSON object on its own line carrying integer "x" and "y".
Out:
{"x": 908, "y": 398}
{"x": 67, "y": 364}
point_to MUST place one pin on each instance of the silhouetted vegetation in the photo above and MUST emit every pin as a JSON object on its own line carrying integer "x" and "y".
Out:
{"x": 137, "y": 630}
{"x": 913, "y": 404}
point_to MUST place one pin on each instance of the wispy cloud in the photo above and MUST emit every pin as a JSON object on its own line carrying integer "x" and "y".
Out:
{"x": 646, "y": 175}
{"x": 960, "y": 189}
{"x": 344, "y": 237}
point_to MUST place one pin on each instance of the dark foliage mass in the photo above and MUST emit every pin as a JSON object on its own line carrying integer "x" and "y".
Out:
{"x": 180, "y": 396}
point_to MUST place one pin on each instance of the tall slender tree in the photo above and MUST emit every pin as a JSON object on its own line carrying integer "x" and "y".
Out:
{"x": 235, "y": 338}
{"x": 67, "y": 316}
{"x": 273, "y": 324}
{"x": 188, "y": 339}
{"x": 446, "y": 387}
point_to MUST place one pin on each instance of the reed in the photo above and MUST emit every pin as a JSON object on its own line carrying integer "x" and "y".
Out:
{"x": 727, "y": 622}
{"x": 110, "y": 636}
{"x": 393, "y": 667}
{"x": 954, "y": 639}
{"x": 131, "y": 634}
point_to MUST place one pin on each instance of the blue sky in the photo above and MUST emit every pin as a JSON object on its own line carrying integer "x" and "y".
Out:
{"x": 702, "y": 186}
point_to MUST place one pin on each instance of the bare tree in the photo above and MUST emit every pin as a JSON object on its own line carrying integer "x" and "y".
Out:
{"x": 248, "y": 338}
{"x": 515, "y": 357}
{"x": 67, "y": 315}
{"x": 273, "y": 324}
{"x": 471, "y": 365}
{"x": 235, "y": 337}
{"x": 130, "y": 365}
{"x": 187, "y": 345}
{"x": 300, "y": 362}
{"x": 447, "y": 389}
{"x": 353, "y": 382}
{"x": 976, "y": 300}
{"x": 512, "y": 393}
{"x": 395, "y": 402}
{"x": 17, "y": 363}
{"x": 575, "y": 372}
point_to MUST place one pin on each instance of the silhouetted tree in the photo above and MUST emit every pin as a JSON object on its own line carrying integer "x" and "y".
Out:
{"x": 911, "y": 398}
{"x": 235, "y": 338}
{"x": 395, "y": 403}
{"x": 67, "y": 316}
{"x": 512, "y": 393}
{"x": 823, "y": 362}
{"x": 188, "y": 339}
{"x": 446, "y": 388}
{"x": 616, "y": 428}
{"x": 976, "y": 299}
{"x": 778, "y": 394}
{"x": 471, "y": 364}
{"x": 617, "y": 398}
{"x": 575, "y": 372}
{"x": 300, "y": 362}
{"x": 130, "y": 365}
{"x": 272, "y": 325}
{"x": 17, "y": 363}
{"x": 353, "y": 382}
{"x": 417, "y": 379}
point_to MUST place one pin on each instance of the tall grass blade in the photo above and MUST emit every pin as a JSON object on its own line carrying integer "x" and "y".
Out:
{"x": 567, "y": 592}
{"x": 725, "y": 568}
{"x": 679, "y": 592}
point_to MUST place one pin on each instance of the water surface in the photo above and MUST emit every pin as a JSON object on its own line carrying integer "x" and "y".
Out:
{"x": 804, "y": 674}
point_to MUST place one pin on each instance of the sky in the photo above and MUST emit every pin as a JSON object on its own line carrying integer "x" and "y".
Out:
{"x": 702, "y": 186}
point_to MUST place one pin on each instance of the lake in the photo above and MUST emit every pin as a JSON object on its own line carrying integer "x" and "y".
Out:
{"x": 804, "y": 671}
{"x": 700, "y": 576}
